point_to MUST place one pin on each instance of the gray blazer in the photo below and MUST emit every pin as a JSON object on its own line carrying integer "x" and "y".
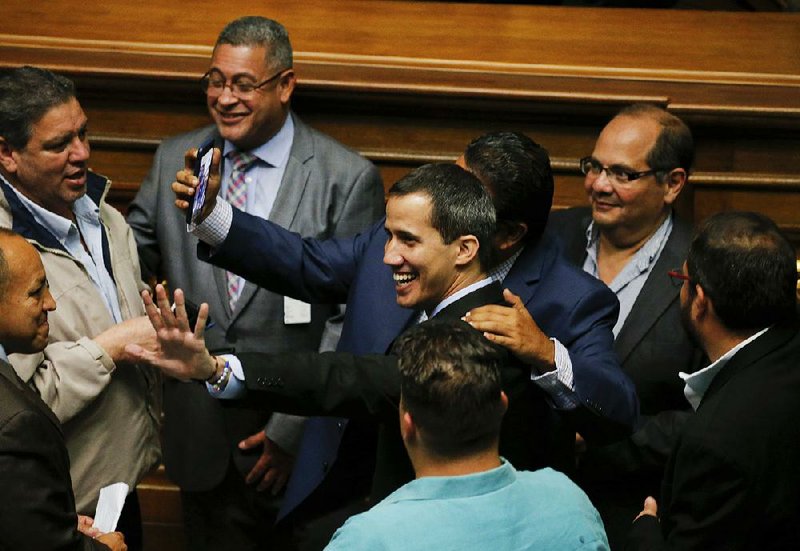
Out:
{"x": 326, "y": 191}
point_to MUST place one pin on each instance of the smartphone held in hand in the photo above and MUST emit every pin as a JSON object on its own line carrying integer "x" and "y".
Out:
{"x": 202, "y": 168}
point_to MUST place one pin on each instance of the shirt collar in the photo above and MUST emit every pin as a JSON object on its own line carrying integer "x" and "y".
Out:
{"x": 57, "y": 224}
{"x": 642, "y": 260}
{"x": 275, "y": 151}
{"x": 434, "y": 487}
{"x": 461, "y": 293}
{"x": 500, "y": 272}
{"x": 697, "y": 383}
{"x": 3, "y": 355}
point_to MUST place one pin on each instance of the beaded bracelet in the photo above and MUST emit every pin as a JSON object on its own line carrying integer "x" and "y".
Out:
{"x": 219, "y": 384}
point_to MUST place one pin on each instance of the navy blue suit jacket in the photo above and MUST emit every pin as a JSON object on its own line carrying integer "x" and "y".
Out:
{"x": 567, "y": 304}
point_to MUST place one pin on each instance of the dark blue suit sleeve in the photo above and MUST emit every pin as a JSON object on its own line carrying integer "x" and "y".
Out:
{"x": 579, "y": 311}
{"x": 609, "y": 396}
{"x": 312, "y": 270}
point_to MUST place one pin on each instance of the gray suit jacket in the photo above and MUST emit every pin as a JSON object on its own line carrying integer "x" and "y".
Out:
{"x": 653, "y": 347}
{"x": 327, "y": 191}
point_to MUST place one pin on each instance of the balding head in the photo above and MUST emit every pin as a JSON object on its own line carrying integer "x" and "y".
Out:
{"x": 24, "y": 296}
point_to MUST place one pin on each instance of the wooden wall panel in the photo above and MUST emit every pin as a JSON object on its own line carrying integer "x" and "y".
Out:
{"x": 412, "y": 82}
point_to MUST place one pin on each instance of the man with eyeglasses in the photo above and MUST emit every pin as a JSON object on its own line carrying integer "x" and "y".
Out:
{"x": 228, "y": 466}
{"x": 629, "y": 237}
{"x": 732, "y": 480}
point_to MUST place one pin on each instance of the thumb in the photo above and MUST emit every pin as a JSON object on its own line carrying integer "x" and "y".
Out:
{"x": 650, "y": 506}
{"x": 214, "y": 172}
{"x": 512, "y": 299}
{"x": 214, "y": 181}
{"x": 135, "y": 351}
{"x": 252, "y": 441}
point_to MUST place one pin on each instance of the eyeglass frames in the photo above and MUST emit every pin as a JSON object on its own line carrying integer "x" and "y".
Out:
{"x": 213, "y": 84}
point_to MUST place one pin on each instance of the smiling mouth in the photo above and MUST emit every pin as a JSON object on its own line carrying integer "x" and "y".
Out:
{"x": 229, "y": 117}
{"x": 603, "y": 204}
{"x": 404, "y": 278}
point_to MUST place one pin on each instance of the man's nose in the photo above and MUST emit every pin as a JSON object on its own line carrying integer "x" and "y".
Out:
{"x": 390, "y": 255}
{"x": 602, "y": 183}
{"x": 79, "y": 152}
{"x": 49, "y": 301}
{"x": 227, "y": 97}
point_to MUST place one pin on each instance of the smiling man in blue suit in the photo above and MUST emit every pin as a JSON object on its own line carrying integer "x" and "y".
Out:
{"x": 559, "y": 321}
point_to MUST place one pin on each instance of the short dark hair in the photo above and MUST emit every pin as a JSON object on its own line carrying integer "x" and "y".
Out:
{"x": 26, "y": 95}
{"x": 517, "y": 172}
{"x": 459, "y": 203}
{"x": 674, "y": 147}
{"x": 746, "y": 267}
{"x": 450, "y": 384}
{"x": 253, "y": 30}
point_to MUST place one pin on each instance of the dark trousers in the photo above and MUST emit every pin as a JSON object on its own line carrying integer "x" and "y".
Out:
{"x": 618, "y": 503}
{"x": 233, "y": 516}
{"x": 130, "y": 522}
{"x": 314, "y": 533}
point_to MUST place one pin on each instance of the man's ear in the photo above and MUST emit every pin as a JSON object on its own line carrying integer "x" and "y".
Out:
{"x": 408, "y": 429}
{"x": 508, "y": 234}
{"x": 504, "y": 399}
{"x": 7, "y": 157}
{"x": 675, "y": 182}
{"x": 467, "y": 249}
{"x": 701, "y": 304}
{"x": 286, "y": 85}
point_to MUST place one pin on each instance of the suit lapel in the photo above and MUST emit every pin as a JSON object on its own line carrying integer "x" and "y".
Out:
{"x": 295, "y": 178}
{"x": 528, "y": 268}
{"x": 8, "y": 372}
{"x": 293, "y": 185}
{"x": 657, "y": 293}
{"x": 574, "y": 244}
{"x": 221, "y": 283}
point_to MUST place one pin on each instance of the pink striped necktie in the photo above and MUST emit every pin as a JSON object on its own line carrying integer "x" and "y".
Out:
{"x": 236, "y": 195}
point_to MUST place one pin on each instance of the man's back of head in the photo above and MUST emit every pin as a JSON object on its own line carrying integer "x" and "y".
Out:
{"x": 517, "y": 173}
{"x": 451, "y": 388}
{"x": 465, "y": 496}
{"x": 747, "y": 269}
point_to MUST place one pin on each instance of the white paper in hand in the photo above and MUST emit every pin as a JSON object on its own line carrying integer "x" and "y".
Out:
{"x": 109, "y": 506}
